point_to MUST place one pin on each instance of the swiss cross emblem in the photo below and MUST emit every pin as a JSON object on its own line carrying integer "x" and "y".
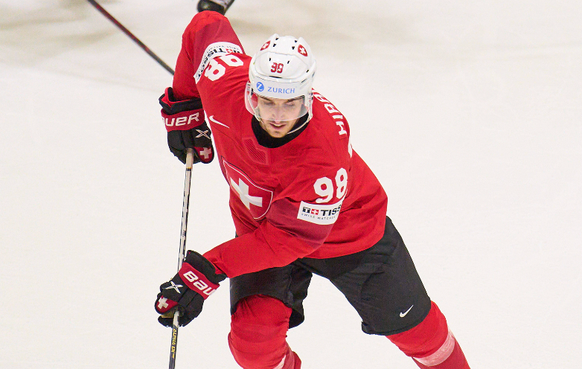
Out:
{"x": 256, "y": 199}
{"x": 302, "y": 50}
{"x": 163, "y": 303}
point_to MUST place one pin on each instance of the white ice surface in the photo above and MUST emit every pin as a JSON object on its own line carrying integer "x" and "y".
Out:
{"x": 468, "y": 112}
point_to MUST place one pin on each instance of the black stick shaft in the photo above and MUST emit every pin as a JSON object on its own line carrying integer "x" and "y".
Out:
{"x": 182, "y": 250}
{"x": 131, "y": 35}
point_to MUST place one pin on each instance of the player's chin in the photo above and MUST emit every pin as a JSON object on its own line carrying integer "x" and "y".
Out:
{"x": 277, "y": 129}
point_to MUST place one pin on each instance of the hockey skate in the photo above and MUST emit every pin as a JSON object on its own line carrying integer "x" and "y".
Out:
{"x": 220, "y": 6}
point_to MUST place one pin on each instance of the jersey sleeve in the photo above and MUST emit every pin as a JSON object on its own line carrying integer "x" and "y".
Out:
{"x": 270, "y": 245}
{"x": 295, "y": 226}
{"x": 208, "y": 35}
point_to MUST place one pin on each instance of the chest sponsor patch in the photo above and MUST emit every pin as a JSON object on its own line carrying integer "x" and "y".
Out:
{"x": 323, "y": 214}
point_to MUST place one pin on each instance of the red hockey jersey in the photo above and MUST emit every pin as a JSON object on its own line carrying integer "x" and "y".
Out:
{"x": 311, "y": 197}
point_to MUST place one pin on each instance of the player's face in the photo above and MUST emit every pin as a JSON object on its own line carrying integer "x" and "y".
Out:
{"x": 278, "y": 116}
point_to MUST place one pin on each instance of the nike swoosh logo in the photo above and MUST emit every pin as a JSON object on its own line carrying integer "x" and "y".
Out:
{"x": 402, "y": 315}
{"x": 211, "y": 118}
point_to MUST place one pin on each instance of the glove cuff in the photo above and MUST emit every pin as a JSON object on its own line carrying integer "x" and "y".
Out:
{"x": 180, "y": 115}
{"x": 183, "y": 121}
{"x": 197, "y": 281}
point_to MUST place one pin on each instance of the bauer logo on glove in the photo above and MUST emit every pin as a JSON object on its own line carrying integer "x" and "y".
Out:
{"x": 186, "y": 292}
{"x": 182, "y": 122}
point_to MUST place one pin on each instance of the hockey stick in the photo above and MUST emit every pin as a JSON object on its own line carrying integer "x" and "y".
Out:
{"x": 126, "y": 31}
{"x": 181, "y": 255}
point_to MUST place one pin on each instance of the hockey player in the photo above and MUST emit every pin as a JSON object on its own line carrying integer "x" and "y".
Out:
{"x": 303, "y": 202}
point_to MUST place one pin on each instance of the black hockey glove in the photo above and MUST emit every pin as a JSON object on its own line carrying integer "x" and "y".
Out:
{"x": 186, "y": 127}
{"x": 220, "y": 6}
{"x": 186, "y": 292}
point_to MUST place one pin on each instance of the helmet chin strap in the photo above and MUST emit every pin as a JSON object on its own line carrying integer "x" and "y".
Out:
{"x": 300, "y": 126}
{"x": 303, "y": 119}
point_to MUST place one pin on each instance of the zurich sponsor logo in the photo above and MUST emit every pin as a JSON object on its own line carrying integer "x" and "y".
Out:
{"x": 279, "y": 90}
{"x": 260, "y": 87}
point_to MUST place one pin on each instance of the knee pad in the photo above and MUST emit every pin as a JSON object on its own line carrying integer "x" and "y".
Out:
{"x": 258, "y": 333}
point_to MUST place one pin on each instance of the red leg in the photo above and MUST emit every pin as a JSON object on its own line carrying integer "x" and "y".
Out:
{"x": 430, "y": 344}
{"x": 258, "y": 334}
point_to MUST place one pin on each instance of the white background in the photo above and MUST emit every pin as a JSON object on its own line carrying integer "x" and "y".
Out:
{"x": 468, "y": 112}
